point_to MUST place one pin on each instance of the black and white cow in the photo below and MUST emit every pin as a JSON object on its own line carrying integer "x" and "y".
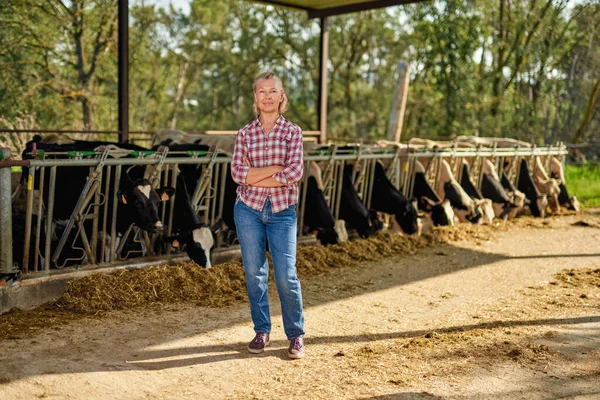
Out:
{"x": 557, "y": 172}
{"x": 525, "y": 184}
{"x": 386, "y": 198}
{"x": 479, "y": 199}
{"x": 514, "y": 194}
{"x": 436, "y": 211}
{"x": 353, "y": 211}
{"x": 467, "y": 184}
{"x": 492, "y": 189}
{"x": 546, "y": 185}
{"x": 317, "y": 215}
{"x": 448, "y": 188}
{"x": 196, "y": 238}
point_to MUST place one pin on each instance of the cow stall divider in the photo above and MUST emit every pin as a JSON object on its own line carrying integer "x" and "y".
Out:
{"x": 477, "y": 156}
{"x": 88, "y": 237}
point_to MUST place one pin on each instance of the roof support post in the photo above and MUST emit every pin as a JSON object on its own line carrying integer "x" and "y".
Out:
{"x": 6, "y": 245}
{"x": 123, "y": 71}
{"x": 323, "y": 78}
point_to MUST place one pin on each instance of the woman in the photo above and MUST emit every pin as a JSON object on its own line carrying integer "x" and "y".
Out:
{"x": 267, "y": 164}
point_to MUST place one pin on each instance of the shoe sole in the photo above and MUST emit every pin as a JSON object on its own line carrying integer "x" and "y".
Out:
{"x": 295, "y": 356}
{"x": 254, "y": 351}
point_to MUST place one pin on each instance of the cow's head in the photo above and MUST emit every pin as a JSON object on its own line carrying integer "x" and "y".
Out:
{"x": 538, "y": 208}
{"x": 374, "y": 225}
{"x": 142, "y": 200}
{"x": 443, "y": 214}
{"x": 548, "y": 186}
{"x": 326, "y": 236}
{"x": 408, "y": 218}
{"x": 340, "y": 230}
{"x": 487, "y": 209}
{"x": 198, "y": 243}
{"x": 574, "y": 203}
{"x": 335, "y": 235}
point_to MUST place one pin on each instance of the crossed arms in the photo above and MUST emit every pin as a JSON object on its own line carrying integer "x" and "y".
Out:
{"x": 272, "y": 176}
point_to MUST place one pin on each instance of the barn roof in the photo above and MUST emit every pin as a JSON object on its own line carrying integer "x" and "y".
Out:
{"x": 326, "y": 8}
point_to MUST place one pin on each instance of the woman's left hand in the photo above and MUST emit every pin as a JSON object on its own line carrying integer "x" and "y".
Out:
{"x": 246, "y": 162}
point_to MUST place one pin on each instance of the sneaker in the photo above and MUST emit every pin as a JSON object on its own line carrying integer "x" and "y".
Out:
{"x": 258, "y": 344}
{"x": 296, "y": 349}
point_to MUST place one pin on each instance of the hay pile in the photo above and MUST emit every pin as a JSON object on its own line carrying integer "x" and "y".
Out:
{"x": 317, "y": 260}
{"x": 186, "y": 283}
{"x": 579, "y": 277}
{"x": 222, "y": 285}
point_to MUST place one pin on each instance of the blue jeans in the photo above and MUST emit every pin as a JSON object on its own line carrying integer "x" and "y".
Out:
{"x": 254, "y": 229}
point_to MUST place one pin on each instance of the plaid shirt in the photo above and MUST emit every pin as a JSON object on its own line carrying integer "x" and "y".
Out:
{"x": 283, "y": 146}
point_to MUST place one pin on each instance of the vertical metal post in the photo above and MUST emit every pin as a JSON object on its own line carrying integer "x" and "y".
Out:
{"x": 49, "y": 217}
{"x": 6, "y": 257}
{"x": 113, "y": 220}
{"x": 123, "y": 49}
{"x": 28, "y": 212}
{"x": 96, "y": 220}
{"x": 302, "y": 208}
{"x": 338, "y": 196}
{"x": 38, "y": 228}
{"x": 104, "y": 257}
{"x": 323, "y": 78}
{"x": 174, "y": 173}
{"x": 370, "y": 182}
{"x": 215, "y": 185}
{"x": 221, "y": 196}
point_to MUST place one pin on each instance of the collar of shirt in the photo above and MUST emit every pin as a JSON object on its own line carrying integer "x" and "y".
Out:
{"x": 278, "y": 122}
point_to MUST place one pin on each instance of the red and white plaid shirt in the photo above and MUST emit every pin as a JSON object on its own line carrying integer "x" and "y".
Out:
{"x": 283, "y": 146}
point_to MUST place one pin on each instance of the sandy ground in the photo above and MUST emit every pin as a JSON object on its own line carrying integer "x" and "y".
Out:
{"x": 463, "y": 321}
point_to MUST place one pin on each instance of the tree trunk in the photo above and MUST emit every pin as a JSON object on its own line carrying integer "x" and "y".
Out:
{"x": 179, "y": 93}
{"x": 86, "y": 111}
{"x": 588, "y": 112}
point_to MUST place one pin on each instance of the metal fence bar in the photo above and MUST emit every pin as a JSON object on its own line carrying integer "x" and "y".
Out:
{"x": 28, "y": 213}
{"x": 6, "y": 238}
{"x": 49, "y": 217}
{"x": 38, "y": 227}
{"x": 113, "y": 228}
{"x": 104, "y": 257}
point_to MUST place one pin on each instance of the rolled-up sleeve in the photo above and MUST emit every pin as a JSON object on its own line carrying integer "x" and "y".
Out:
{"x": 239, "y": 171}
{"x": 294, "y": 165}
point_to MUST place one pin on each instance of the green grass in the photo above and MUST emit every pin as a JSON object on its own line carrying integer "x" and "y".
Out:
{"x": 584, "y": 181}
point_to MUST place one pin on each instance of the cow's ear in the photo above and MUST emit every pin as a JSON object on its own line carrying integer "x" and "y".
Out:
{"x": 165, "y": 193}
{"x": 122, "y": 197}
{"x": 173, "y": 240}
{"x": 216, "y": 228}
{"x": 414, "y": 203}
{"x": 427, "y": 202}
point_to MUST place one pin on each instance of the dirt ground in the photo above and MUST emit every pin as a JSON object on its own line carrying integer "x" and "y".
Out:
{"x": 515, "y": 316}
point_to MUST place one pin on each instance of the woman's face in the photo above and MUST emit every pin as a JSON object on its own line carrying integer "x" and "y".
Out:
{"x": 268, "y": 96}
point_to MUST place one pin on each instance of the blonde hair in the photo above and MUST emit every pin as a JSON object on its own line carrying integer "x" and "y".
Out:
{"x": 283, "y": 106}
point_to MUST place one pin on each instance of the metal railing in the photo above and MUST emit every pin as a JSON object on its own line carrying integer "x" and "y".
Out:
{"x": 90, "y": 229}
